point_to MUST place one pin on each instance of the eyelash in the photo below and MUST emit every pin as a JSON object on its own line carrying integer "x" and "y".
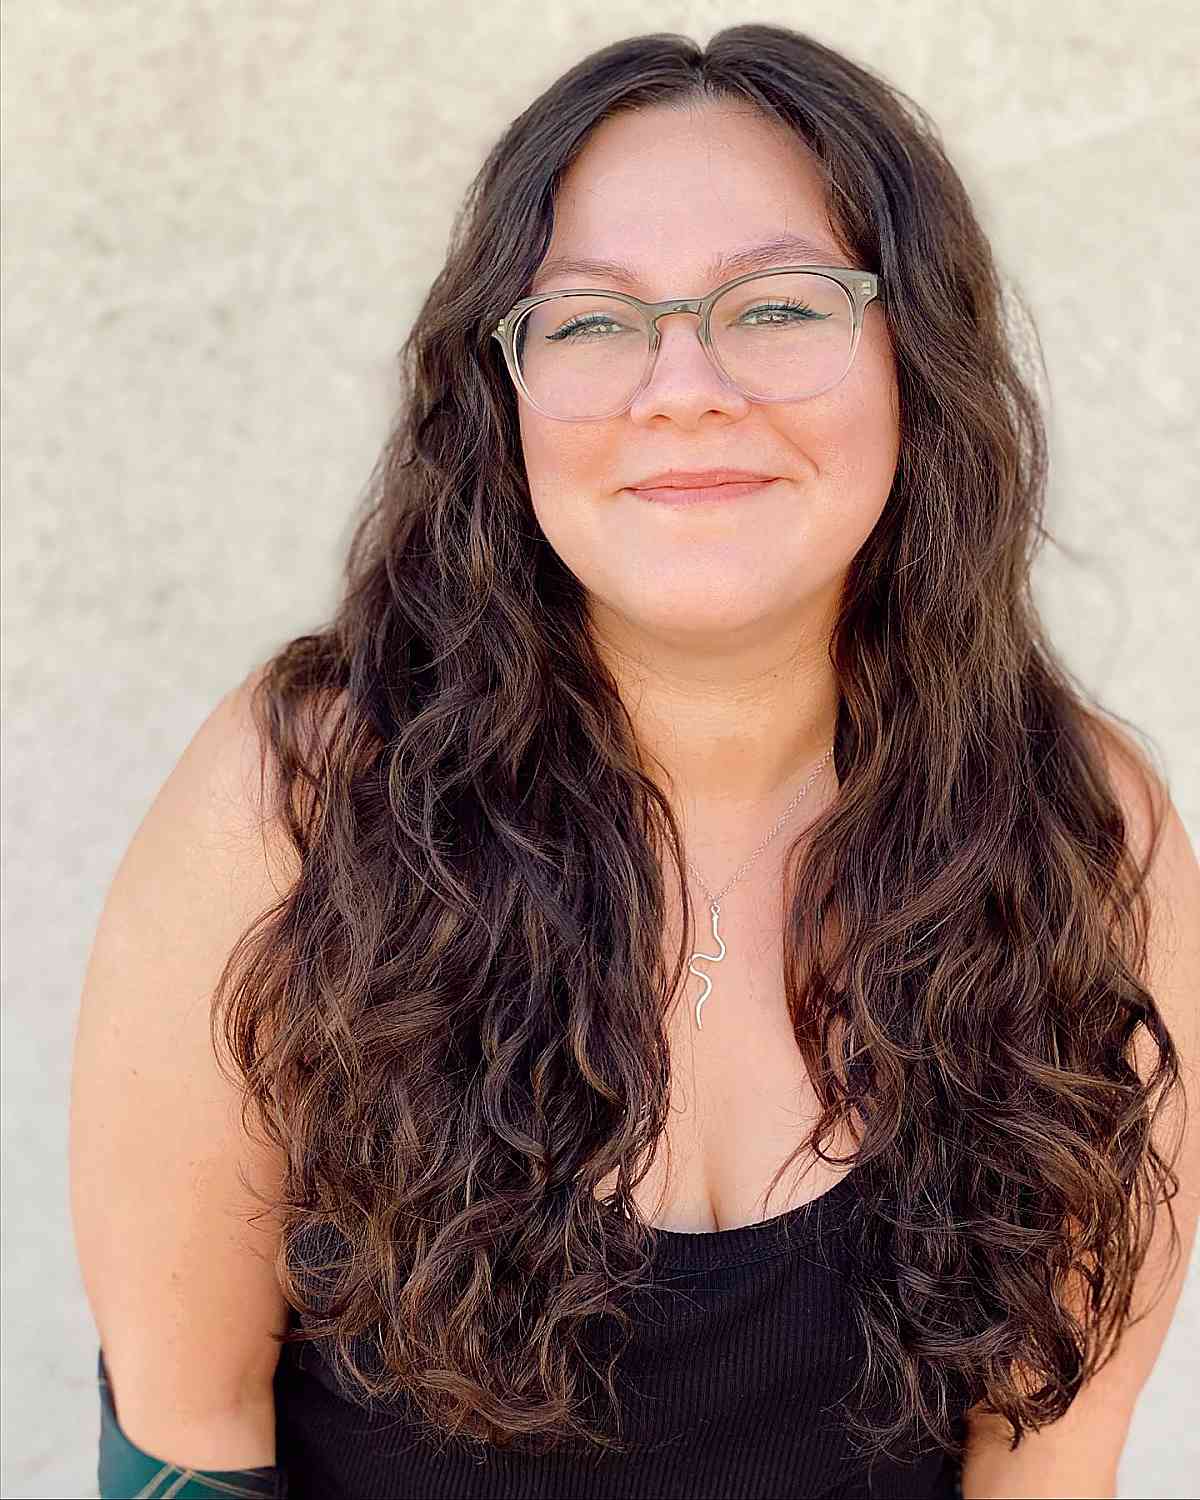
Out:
{"x": 590, "y": 320}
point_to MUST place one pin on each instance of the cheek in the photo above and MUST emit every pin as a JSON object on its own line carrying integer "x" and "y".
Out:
{"x": 561, "y": 452}
{"x": 569, "y": 475}
{"x": 578, "y": 525}
{"x": 849, "y": 447}
{"x": 776, "y": 552}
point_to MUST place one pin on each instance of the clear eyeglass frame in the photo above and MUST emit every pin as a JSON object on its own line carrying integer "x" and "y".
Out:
{"x": 862, "y": 287}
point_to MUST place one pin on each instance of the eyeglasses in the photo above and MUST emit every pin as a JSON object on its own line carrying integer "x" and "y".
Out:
{"x": 782, "y": 335}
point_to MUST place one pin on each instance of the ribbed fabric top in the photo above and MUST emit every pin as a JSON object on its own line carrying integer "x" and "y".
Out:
{"x": 730, "y": 1388}
{"x": 710, "y": 1249}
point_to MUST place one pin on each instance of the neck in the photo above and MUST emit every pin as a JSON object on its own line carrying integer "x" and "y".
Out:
{"x": 729, "y": 734}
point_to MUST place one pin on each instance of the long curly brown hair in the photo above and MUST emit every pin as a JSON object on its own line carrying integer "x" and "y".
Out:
{"x": 453, "y": 1021}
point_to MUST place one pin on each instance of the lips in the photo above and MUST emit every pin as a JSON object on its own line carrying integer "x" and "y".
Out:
{"x": 694, "y": 479}
{"x": 709, "y": 494}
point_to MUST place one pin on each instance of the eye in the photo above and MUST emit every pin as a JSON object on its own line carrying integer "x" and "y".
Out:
{"x": 787, "y": 305}
{"x": 580, "y": 325}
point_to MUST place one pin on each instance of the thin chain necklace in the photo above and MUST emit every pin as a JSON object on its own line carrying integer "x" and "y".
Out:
{"x": 714, "y": 901}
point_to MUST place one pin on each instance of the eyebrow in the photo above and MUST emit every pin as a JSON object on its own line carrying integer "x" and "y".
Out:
{"x": 782, "y": 249}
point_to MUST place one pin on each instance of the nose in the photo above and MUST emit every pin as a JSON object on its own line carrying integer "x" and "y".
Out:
{"x": 684, "y": 370}
{"x": 682, "y": 340}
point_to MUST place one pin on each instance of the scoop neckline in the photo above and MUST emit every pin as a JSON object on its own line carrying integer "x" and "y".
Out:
{"x": 706, "y": 1248}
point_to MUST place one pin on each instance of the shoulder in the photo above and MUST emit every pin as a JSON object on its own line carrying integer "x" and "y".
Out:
{"x": 229, "y": 779}
{"x": 268, "y": 744}
{"x": 1140, "y": 789}
{"x": 1163, "y": 849}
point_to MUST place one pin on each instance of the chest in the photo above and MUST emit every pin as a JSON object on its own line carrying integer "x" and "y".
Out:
{"x": 741, "y": 1097}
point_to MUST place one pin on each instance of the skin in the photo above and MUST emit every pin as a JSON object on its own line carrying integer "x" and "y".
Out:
{"x": 714, "y": 621}
{"x": 716, "y": 624}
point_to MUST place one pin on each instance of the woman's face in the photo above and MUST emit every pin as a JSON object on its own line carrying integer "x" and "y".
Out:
{"x": 666, "y": 192}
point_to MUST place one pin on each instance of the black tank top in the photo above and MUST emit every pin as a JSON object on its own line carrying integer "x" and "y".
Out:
{"x": 729, "y": 1389}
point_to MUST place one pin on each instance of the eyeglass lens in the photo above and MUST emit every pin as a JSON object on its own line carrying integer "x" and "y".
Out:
{"x": 784, "y": 336}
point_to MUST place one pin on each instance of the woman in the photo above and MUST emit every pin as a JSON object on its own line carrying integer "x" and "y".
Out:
{"x": 685, "y": 792}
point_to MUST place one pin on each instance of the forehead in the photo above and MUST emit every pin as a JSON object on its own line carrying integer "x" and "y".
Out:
{"x": 698, "y": 194}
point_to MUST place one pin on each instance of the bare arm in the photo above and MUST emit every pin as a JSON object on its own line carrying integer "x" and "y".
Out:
{"x": 182, "y": 1288}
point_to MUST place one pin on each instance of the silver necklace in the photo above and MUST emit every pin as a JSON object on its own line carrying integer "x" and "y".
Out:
{"x": 714, "y": 901}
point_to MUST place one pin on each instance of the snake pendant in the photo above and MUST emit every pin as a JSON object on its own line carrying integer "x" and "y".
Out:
{"x": 714, "y": 957}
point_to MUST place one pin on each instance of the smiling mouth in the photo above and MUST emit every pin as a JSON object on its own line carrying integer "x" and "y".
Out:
{"x": 709, "y": 494}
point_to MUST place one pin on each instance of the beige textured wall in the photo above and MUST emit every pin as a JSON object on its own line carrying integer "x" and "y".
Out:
{"x": 217, "y": 221}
